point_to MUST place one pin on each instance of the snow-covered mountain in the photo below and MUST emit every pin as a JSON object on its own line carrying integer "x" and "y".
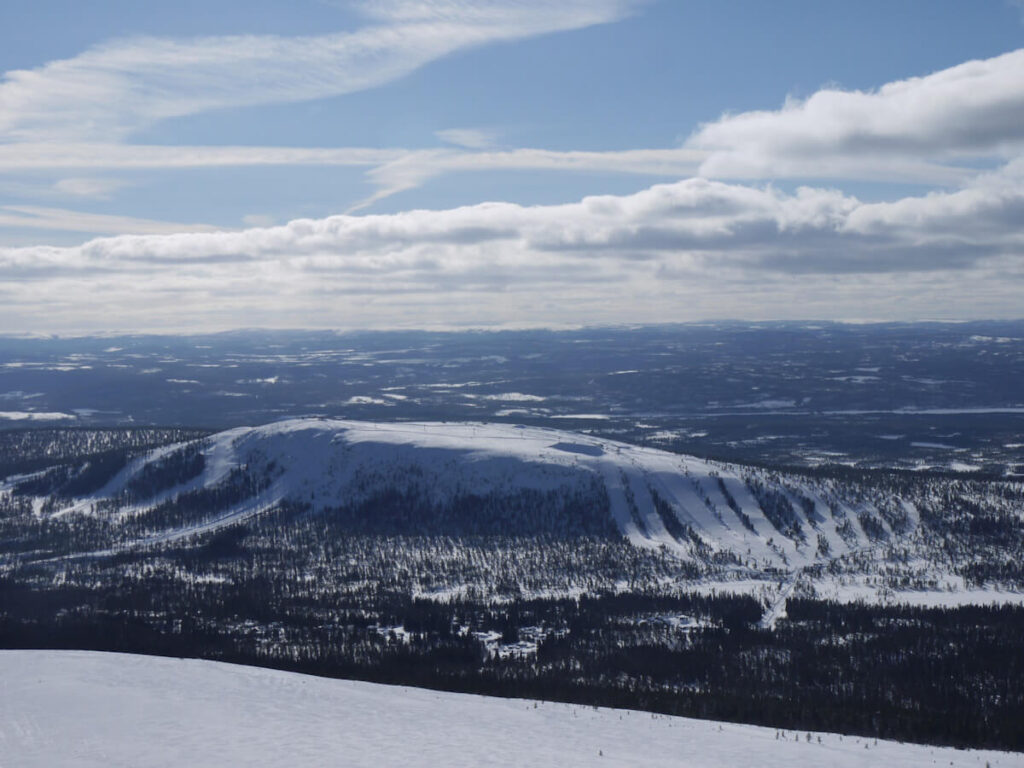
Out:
{"x": 693, "y": 507}
{"x": 460, "y": 479}
{"x": 101, "y": 709}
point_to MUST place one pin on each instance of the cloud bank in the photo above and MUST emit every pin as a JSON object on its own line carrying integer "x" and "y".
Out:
{"x": 682, "y": 251}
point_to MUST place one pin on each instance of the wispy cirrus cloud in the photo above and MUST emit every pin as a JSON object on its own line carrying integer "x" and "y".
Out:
{"x": 61, "y": 219}
{"x": 114, "y": 89}
{"x": 471, "y": 138}
{"x": 414, "y": 168}
{"x": 77, "y": 114}
{"x": 38, "y": 156}
{"x": 93, "y": 187}
{"x": 491, "y": 12}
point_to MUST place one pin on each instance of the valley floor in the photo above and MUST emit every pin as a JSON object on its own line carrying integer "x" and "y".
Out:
{"x": 70, "y": 708}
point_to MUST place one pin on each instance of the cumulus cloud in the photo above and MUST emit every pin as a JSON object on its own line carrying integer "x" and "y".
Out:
{"x": 692, "y": 249}
{"x": 921, "y": 129}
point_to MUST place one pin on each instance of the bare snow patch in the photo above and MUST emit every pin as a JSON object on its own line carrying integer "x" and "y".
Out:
{"x": 515, "y": 397}
{"x": 36, "y": 416}
{"x": 367, "y": 400}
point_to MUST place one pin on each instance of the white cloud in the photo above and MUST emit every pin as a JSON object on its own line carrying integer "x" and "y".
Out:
{"x": 427, "y": 163}
{"x": 471, "y": 138}
{"x": 97, "y": 188}
{"x": 936, "y": 130}
{"x": 693, "y": 249}
{"x": 390, "y": 170}
{"x": 679, "y": 251}
{"x": 923, "y": 130}
{"x": 76, "y": 113}
{"x": 59, "y": 155}
{"x": 413, "y": 168}
{"x": 38, "y": 217}
{"x": 114, "y": 89}
{"x": 917, "y": 129}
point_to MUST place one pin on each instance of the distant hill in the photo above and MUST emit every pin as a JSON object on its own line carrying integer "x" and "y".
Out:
{"x": 848, "y": 535}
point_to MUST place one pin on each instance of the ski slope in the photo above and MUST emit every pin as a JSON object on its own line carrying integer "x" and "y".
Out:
{"x": 83, "y": 709}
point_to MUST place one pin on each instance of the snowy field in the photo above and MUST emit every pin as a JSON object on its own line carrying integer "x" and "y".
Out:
{"x": 69, "y": 708}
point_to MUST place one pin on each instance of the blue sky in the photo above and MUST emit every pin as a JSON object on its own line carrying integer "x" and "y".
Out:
{"x": 768, "y": 133}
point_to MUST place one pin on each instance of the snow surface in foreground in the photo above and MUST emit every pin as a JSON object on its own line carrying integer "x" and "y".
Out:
{"x": 64, "y": 708}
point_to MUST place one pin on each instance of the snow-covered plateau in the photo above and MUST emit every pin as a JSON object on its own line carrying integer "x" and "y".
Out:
{"x": 69, "y": 708}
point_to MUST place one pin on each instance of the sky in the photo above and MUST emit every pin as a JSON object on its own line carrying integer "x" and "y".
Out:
{"x": 202, "y": 166}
